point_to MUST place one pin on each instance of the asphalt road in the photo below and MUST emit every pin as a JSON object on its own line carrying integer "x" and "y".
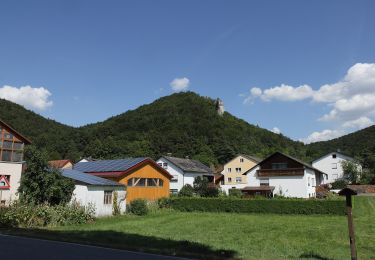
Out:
{"x": 12, "y": 247}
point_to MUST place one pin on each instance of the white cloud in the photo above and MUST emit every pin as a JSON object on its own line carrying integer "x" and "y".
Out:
{"x": 322, "y": 136}
{"x": 359, "y": 123}
{"x": 27, "y": 96}
{"x": 276, "y": 130}
{"x": 351, "y": 100}
{"x": 287, "y": 93}
{"x": 180, "y": 84}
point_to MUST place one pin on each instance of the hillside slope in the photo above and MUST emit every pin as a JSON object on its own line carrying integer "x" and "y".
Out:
{"x": 357, "y": 144}
{"x": 184, "y": 124}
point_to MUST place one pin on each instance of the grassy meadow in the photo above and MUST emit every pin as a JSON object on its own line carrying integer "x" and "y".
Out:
{"x": 229, "y": 235}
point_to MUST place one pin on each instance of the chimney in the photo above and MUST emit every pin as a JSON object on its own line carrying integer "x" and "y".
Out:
{"x": 169, "y": 154}
{"x": 187, "y": 157}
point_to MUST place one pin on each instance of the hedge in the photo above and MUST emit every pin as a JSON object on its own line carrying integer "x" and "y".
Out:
{"x": 273, "y": 206}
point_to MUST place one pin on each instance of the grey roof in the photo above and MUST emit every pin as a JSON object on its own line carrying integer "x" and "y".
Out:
{"x": 189, "y": 165}
{"x": 108, "y": 165}
{"x": 88, "y": 178}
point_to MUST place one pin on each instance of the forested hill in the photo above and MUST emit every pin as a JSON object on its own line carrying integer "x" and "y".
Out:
{"x": 184, "y": 124}
{"x": 359, "y": 144}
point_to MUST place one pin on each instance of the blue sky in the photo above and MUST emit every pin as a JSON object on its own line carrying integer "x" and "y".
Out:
{"x": 80, "y": 62}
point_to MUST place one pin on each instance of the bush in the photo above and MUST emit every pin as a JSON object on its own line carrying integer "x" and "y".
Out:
{"x": 280, "y": 206}
{"x": 204, "y": 188}
{"x": 28, "y": 215}
{"x": 138, "y": 207}
{"x": 235, "y": 193}
{"x": 163, "y": 203}
{"x": 339, "y": 184}
{"x": 186, "y": 191}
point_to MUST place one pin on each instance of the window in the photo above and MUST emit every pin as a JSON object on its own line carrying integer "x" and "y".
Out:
{"x": 145, "y": 182}
{"x": 229, "y": 170}
{"x": 313, "y": 182}
{"x": 7, "y": 144}
{"x": 165, "y": 165}
{"x": 334, "y": 165}
{"x": 107, "y": 197}
{"x": 238, "y": 169}
{"x": 152, "y": 182}
{"x": 6, "y": 156}
{"x": 334, "y": 156}
{"x": 174, "y": 178}
{"x": 241, "y": 160}
{"x": 238, "y": 179}
{"x": 173, "y": 191}
{"x": 277, "y": 166}
{"x": 264, "y": 182}
{"x": 229, "y": 179}
{"x": 11, "y": 148}
{"x": 308, "y": 181}
{"x": 160, "y": 164}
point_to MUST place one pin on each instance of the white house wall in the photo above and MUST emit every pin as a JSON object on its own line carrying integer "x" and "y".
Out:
{"x": 288, "y": 186}
{"x": 324, "y": 164}
{"x": 14, "y": 170}
{"x": 94, "y": 195}
{"x": 183, "y": 178}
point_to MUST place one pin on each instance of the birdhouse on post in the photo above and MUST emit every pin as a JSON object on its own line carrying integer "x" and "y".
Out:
{"x": 348, "y": 193}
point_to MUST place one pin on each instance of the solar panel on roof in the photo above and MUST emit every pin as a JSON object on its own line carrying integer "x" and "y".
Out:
{"x": 87, "y": 178}
{"x": 108, "y": 165}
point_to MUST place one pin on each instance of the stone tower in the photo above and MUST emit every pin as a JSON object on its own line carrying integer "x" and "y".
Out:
{"x": 220, "y": 107}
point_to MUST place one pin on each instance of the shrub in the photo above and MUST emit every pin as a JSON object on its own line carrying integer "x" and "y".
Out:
{"x": 138, "y": 207}
{"x": 186, "y": 191}
{"x": 28, "y": 215}
{"x": 339, "y": 184}
{"x": 163, "y": 203}
{"x": 235, "y": 193}
{"x": 204, "y": 188}
{"x": 280, "y": 206}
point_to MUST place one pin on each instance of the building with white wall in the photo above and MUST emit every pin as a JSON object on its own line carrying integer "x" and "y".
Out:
{"x": 284, "y": 175}
{"x": 184, "y": 171}
{"x": 97, "y": 192}
{"x": 331, "y": 164}
{"x": 12, "y": 164}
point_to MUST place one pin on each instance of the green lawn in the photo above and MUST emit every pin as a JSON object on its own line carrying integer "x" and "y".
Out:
{"x": 237, "y": 236}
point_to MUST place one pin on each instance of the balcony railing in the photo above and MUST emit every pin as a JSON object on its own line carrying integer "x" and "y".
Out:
{"x": 281, "y": 172}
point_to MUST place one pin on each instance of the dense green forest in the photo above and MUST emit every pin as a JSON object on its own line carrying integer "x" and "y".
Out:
{"x": 184, "y": 124}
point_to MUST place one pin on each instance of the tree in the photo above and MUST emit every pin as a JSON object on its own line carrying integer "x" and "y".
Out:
{"x": 186, "y": 191}
{"x": 42, "y": 184}
{"x": 351, "y": 171}
{"x": 203, "y": 188}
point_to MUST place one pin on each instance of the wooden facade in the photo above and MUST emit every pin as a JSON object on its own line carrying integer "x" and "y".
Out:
{"x": 11, "y": 144}
{"x": 146, "y": 182}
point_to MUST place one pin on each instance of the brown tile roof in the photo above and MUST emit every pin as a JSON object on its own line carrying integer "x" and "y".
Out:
{"x": 59, "y": 163}
{"x": 363, "y": 188}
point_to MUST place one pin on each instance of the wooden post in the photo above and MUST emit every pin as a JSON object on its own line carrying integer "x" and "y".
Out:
{"x": 347, "y": 192}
